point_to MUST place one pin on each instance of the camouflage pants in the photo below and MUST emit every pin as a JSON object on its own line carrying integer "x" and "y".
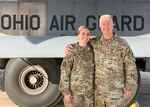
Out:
{"x": 109, "y": 100}
{"x": 80, "y": 101}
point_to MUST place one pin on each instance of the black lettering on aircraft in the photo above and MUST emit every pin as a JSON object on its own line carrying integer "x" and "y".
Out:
{"x": 6, "y": 18}
{"x": 135, "y": 23}
{"x": 33, "y": 19}
{"x": 19, "y": 22}
{"x": 24, "y": 21}
{"x": 125, "y": 21}
{"x": 54, "y": 23}
{"x": 122, "y": 23}
{"x": 90, "y": 22}
{"x": 57, "y": 24}
{"x": 116, "y": 23}
{"x": 137, "y": 19}
{"x": 70, "y": 20}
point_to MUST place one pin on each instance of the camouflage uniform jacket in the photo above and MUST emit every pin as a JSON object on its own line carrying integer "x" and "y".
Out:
{"x": 77, "y": 71}
{"x": 114, "y": 64}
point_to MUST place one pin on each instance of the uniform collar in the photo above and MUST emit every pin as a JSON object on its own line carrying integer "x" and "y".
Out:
{"x": 83, "y": 48}
{"x": 110, "y": 40}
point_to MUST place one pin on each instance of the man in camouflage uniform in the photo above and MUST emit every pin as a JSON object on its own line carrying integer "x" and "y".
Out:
{"x": 77, "y": 75}
{"x": 115, "y": 68}
{"x": 115, "y": 74}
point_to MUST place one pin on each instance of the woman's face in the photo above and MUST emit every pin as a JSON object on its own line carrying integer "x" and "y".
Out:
{"x": 84, "y": 35}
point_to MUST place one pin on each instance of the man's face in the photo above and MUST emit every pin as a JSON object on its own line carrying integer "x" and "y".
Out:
{"x": 106, "y": 25}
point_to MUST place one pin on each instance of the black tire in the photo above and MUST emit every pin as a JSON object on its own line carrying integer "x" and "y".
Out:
{"x": 21, "y": 95}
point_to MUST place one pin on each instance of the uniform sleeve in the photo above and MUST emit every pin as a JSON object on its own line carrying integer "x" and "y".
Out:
{"x": 66, "y": 66}
{"x": 130, "y": 69}
{"x": 93, "y": 40}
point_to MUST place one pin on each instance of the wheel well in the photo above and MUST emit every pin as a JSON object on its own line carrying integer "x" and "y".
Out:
{"x": 58, "y": 61}
{"x": 140, "y": 63}
{"x": 3, "y": 63}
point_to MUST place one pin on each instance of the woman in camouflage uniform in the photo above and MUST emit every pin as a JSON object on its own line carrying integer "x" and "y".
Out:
{"x": 77, "y": 72}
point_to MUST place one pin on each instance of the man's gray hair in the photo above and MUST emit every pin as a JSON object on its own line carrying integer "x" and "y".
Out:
{"x": 106, "y": 15}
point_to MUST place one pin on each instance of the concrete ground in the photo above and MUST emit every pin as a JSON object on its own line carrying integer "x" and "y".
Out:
{"x": 6, "y": 102}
